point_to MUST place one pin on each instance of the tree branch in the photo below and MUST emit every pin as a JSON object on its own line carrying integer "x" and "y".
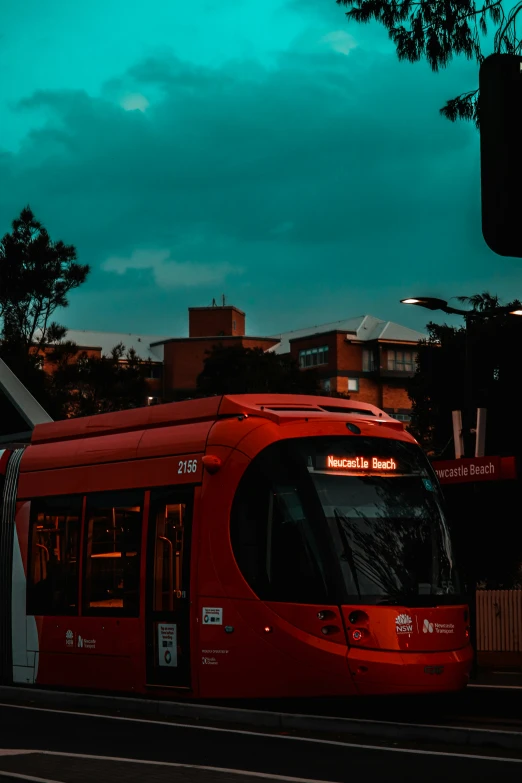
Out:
{"x": 439, "y": 30}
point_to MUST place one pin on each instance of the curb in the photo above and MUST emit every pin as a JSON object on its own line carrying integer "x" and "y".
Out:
{"x": 363, "y": 727}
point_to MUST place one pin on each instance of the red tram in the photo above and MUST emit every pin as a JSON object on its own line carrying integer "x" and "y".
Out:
{"x": 236, "y": 546}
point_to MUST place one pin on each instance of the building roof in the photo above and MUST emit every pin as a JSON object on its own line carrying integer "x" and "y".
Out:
{"x": 142, "y": 343}
{"x": 218, "y": 337}
{"x": 150, "y": 347}
{"x": 363, "y": 327}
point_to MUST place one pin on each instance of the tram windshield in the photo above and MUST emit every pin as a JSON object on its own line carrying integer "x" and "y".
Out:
{"x": 346, "y": 519}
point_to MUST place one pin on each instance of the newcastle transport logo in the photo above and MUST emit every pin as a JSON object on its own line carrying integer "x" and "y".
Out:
{"x": 438, "y": 627}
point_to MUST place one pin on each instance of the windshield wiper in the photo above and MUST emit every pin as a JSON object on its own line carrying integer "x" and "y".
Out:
{"x": 348, "y": 553}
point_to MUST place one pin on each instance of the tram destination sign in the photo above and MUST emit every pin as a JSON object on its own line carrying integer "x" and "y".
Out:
{"x": 461, "y": 471}
{"x": 335, "y": 462}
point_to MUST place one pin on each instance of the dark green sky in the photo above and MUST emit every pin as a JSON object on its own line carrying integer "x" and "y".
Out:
{"x": 266, "y": 150}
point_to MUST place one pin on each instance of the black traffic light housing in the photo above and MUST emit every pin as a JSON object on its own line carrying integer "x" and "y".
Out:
{"x": 500, "y": 116}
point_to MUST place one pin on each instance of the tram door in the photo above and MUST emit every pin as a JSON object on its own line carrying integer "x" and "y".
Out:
{"x": 168, "y": 602}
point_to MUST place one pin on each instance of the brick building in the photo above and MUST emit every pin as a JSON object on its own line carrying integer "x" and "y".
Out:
{"x": 365, "y": 357}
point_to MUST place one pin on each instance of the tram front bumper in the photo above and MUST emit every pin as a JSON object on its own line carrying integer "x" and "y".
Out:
{"x": 381, "y": 672}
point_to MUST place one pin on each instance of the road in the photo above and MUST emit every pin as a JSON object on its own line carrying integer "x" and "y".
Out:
{"x": 207, "y": 750}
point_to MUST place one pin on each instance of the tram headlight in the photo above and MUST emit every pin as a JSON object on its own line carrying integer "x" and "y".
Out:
{"x": 357, "y": 617}
{"x": 358, "y": 634}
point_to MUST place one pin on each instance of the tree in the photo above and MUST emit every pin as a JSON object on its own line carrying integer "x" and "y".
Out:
{"x": 36, "y": 274}
{"x": 480, "y": 303}
{"x": 84, "y": 385}
{"x": 436, "y": 388}
{"x": 462, "y": 368}
{"x": 239, "y": 370}
{"x": 440, "y": 29}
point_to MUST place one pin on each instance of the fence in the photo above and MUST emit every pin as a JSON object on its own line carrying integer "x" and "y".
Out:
{"x": 499, "y": 621}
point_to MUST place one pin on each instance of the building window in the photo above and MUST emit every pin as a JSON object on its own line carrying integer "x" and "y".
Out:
{"x": 400, "y": 417}
{"x": 234, "y": 326}
{"x": 313, "y": 356}
{"x": 368, "y": 360}
{"x": 402, "y": 361}
{"x": 154, "y": 371}
{"x": 52, "y": 586}
{"x": 353, "y": 384}
{"x": 326, "y": 385}
{"x": 112, "y": 553}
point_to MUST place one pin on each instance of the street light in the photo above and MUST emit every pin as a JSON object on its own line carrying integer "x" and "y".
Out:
{"x": 432, "y": 303}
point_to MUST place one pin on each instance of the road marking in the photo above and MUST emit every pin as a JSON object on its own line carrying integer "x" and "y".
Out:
{"x": 15, "y": 752}
{"x": 499, "y": 687}
{"x": 174, "y": 764}
{"x": 325, "y": 718}
{"x": 312, "y": 740}
{"x": 30, "y": 778}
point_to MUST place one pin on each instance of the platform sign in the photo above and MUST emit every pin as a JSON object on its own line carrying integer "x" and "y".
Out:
{"x": 461, "y": 471}
{"x": 167, "y": 644}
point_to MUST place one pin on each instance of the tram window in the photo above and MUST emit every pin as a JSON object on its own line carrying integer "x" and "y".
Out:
{"x": 113, "y": 523}
{"x": 275, "y": 541}
{"x": 52, "y": 585}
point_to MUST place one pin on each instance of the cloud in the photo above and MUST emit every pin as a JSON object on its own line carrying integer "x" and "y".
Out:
{"x": 340, "y": 41}
{"x": 168, "y": 273}
{"x": 316, "y": 142}
{"x": 134, "y": 101}
{"x": 325, "y": 177}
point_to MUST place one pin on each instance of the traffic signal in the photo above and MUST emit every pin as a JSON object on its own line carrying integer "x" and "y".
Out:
{"x": 500, "y": 114}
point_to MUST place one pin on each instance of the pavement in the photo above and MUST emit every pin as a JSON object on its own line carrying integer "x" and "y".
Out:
{"x": 499, "y": 678}
{"x": 60, "y": 747}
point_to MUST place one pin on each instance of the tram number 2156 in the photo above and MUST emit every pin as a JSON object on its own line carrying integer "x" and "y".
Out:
{"x": 188, "y": 466}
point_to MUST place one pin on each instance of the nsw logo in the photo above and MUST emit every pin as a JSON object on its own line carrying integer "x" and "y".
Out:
{"x": 403, "y": 624}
